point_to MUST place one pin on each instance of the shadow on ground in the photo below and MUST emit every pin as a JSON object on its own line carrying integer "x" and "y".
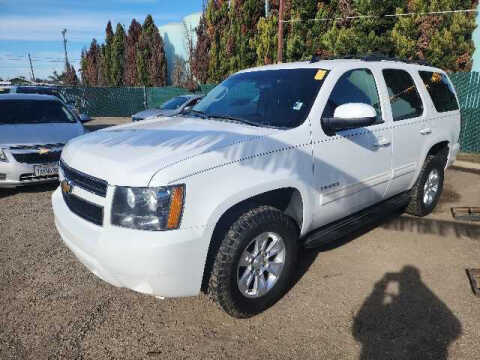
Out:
{"x": 433, "y": 226}
{"x": 28, "y": 189}
{"x": 403, "y": 319}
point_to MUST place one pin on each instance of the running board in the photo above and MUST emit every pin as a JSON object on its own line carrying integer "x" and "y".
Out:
{"x": 357, "y": 221}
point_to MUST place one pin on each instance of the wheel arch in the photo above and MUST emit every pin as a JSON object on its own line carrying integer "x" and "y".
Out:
{"x": 288, "y": 199}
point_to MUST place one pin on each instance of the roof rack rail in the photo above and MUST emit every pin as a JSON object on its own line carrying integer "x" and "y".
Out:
{"x": 369, "y": 57}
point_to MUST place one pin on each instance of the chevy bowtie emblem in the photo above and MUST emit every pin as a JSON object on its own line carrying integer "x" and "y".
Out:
{"x": 43, "y": 151}
{"x": 66, "y": 186}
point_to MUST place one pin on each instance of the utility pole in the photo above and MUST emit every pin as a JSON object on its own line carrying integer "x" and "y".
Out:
{"x": 280, "y": 31}
{"x": 31, "y": 67}
{"x": 267, "y": 8}
{"x": 64, "y": 31}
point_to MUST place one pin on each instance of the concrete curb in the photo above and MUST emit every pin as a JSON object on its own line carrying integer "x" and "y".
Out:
{"x": 466, "y": 165}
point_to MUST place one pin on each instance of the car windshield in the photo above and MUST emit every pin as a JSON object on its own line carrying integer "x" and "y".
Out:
{"x": 279, "y": 98}
{"x": 34, "y": 112}
{"x": 174, "y": 104}
{"x": 41, "y": 91}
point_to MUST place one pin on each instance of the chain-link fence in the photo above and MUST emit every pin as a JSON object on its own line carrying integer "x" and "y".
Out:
{"x": 125, "y": 101}
{"x": 122, "y": 101}
{"x": 467, "y": 85}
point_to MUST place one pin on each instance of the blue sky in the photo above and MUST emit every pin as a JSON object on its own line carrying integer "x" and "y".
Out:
{"x": 34, "y": 26}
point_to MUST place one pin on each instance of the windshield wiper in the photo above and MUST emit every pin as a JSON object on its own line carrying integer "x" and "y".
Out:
{"x": 229, "y": 117}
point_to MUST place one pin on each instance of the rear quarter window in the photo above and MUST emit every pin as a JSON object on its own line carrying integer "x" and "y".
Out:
{"x": 441, "y": 91}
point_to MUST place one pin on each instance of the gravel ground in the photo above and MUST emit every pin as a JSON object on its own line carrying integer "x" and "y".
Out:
{"x": 397, "y": 291}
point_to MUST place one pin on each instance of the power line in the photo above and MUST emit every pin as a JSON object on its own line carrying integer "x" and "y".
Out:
{"x": 357, "y": 17}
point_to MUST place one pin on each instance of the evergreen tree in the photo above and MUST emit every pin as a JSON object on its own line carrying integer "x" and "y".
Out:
{"x": 200, "y": 59}
{"x": 107, "y": 55}
{"x": 90, "y": 63}
{"x": 130, "y": 70}
{"x": 150, "y": 57}
{"x": 118, "y": 56}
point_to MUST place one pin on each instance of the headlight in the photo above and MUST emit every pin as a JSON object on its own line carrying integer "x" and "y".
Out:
{"x": 151, "y": 208}
{"x": 3, "y": 157}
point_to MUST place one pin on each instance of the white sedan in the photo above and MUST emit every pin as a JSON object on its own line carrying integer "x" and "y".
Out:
{"x": 33, "y": 131}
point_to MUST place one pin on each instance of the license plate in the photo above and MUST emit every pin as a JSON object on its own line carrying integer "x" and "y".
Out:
{"x": 47, "y": 170}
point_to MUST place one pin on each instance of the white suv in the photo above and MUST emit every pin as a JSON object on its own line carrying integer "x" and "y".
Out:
{"x": 272, "y": 159}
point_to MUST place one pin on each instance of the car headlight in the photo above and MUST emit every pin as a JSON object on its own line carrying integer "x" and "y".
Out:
{"x": 3, "y": 157}
{"x": 148, "y": 208}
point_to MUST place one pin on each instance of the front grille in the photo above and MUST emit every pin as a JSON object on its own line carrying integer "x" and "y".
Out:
{"x": 86, "y": 210}
{"x": 37, "y": 158}
{"x": 87, "y": 182}
{"x": 32, "y": 177}
{"x": 37, "y": 146}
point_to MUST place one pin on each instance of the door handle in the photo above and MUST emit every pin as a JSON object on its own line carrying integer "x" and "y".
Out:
{"x": 381, "y": 142}
{"x": 426, "y": 131}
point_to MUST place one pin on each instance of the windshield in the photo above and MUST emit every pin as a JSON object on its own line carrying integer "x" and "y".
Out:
{"x": 41, "y": 91}
{"x": 174, "y": 104}
{"x": 34, "y": 112}
{"x": 280, "y": 98}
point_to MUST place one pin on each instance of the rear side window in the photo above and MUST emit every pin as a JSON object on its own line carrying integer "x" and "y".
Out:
{"x": 441, "y": 91}
{"x": 404, "y": 98}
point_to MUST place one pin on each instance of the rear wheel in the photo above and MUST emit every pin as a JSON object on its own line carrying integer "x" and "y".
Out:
{"x": 255, "y": 262}
{"x": 425, "y": 194}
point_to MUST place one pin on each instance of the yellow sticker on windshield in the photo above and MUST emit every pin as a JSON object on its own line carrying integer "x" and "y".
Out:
{"x": 320, "y": 75}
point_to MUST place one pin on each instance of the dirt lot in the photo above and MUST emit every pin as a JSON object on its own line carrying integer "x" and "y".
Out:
{"x": 398, "y": 291}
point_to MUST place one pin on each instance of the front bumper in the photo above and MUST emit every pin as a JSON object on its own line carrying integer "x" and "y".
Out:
{"x": 13, "y": 174}
{"x": 168, "y": 263}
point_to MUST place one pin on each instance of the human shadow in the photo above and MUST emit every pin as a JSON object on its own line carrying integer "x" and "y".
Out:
{"x": 403, "y": 319}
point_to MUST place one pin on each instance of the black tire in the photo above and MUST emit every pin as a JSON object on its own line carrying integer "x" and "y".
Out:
{"x": 223, "y": 286}
{"x": 417, "y": 206}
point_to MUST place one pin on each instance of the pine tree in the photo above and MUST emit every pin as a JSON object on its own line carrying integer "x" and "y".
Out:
{"x": 118, "y": 56}
{"x": 150, "y": 57}
{"x": 107, "y": 55}
{"x": 200, "y": 59}
{"x": 130, "y": 71}
{"x": 91, "y": 63}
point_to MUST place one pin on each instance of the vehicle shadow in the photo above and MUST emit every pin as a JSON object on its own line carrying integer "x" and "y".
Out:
{"x": 307, "y": 257}
{"x": 403, "y": 319}
{"x": 4, "y": 193}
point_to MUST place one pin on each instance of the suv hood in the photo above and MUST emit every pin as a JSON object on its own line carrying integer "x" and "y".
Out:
{"x": 38, "y": 134}
{"x": 131, "y": 154}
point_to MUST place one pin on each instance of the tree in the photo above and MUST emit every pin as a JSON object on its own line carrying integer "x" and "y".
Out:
{"x": 118, "y": 56}
{"x": 150, "y": 57}
{"x": 200, "y": 59}
{"x": 91, "y": 65}
{"x": 107, "y": 55}
{"x": 130, "y": 71}
{"x": 179, "y": 73}
{"x": 444, "y": 41}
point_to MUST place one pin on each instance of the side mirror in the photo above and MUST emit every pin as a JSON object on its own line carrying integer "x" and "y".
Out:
{"x": 186, "y": 109}
{"x": 84, "y": 118}
{"x": 350, "y": 116}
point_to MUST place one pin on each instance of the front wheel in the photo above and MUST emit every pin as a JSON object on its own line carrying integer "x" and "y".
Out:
{"x": 255, "y": 262}
{"x": 427, "y": 190}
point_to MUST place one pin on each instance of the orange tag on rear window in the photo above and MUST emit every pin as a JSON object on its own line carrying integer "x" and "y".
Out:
{"x": 320, "y": 74}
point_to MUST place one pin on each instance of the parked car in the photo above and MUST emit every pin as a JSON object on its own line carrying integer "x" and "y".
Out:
{"x": 273, "y": 159}
{"x": 172, "y": 107}
{"x": 46, "y": 90}
{"x": 33, "y": 131}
